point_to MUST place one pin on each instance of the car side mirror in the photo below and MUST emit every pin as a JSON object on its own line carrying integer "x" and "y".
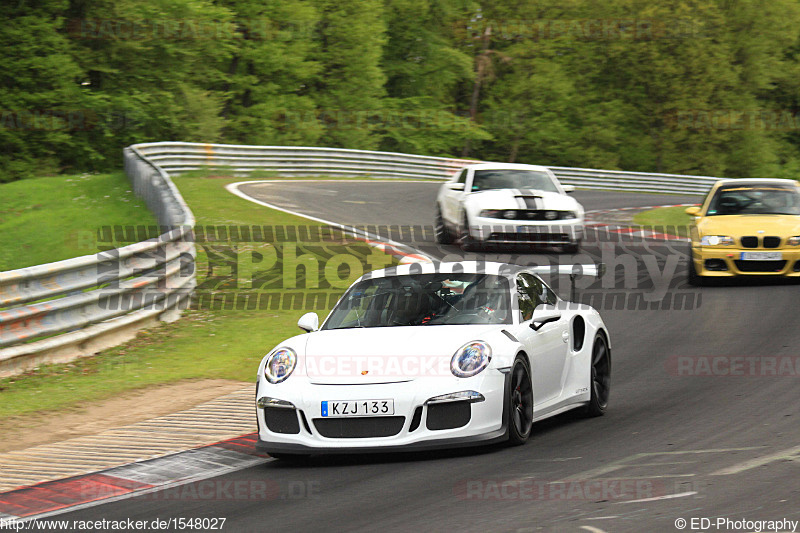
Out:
{"x": 544, "y": 316}
{"x": 456, "y": 186}
{"x": 693, "y": 211}
{"x": 309, "y": 322}
{"x": 569, "y": 189}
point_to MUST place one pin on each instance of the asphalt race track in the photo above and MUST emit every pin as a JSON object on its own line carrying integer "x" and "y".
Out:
{"x": 673, "y": 445}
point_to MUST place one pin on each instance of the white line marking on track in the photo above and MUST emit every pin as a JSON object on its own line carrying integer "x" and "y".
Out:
{"x": 627, "y": 461}
{"x": 369, "y": 237}
{"x": 791, "y": 454}
{"x": 592, "y": 529}
{"x": 666, "y": 497}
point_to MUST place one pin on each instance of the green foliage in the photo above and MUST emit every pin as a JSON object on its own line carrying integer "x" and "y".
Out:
{"x": 684, "y": 86}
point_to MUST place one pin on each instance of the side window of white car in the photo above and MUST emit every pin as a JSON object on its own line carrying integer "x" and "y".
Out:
{"x": 533, "y": 292}
{"x": 548, "y": 295}
{"x": 526, "y": 297}
{"x": 462, "y": 178}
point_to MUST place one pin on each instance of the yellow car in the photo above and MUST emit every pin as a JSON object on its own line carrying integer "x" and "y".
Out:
{"x": 746, "y": 227}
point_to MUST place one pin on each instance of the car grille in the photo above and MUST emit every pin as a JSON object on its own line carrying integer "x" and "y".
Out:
{"x": 359, "y": 428}
{"x": 416, "y": 419}
{"x": 448, "y": 415}
{"x": 752, "y": 241}
{"x": 281, "y": 420}
{"x": 749, "y": 242}
{"x": 760, "y": 266}
{"x": 536, "y": 214}
{"x": 524, "y": 236}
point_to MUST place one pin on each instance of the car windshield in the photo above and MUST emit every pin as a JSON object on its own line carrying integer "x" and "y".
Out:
{"x": 423, "y": 300}
{"x": 755, "y": 200}
{"x": 512, "y": 179}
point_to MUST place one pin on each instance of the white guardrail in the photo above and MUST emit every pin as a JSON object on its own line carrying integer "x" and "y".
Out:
{"x": 60, "y": 311}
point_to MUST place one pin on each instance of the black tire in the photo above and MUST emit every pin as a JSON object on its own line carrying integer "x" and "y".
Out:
{"x": 600, "y": 377}
{"x": 693, "y": 277}
{"x": 519, "y": 402}
{"x": 468, "y": 243}
{"x": 443, "y": 235}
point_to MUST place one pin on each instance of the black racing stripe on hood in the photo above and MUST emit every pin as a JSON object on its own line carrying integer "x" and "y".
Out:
{"x": 531, "y": 199}
{"x": 518, "y": 196}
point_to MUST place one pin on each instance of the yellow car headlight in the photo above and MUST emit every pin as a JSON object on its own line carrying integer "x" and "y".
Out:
{"x": 715, "y": 240}
{"x": 794, "y": 241}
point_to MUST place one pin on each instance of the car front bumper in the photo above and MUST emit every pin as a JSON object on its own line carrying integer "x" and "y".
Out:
{"x": 416, "y": 424}
{"x": 717, "y": 261}
{"x": 501, "y": 231}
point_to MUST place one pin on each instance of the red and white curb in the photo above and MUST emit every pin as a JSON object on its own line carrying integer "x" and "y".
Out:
{"x": 132, "y": 480}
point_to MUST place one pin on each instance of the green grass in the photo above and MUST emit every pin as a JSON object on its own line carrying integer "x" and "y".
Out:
{"x": 205, "y": 343}
{"x": 50, "y": 219}
{"x": 663, "y": 216}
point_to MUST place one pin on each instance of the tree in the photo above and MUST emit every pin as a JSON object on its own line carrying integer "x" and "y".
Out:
{"x": 44, "y": 111}
{"x": 349, "y": 86}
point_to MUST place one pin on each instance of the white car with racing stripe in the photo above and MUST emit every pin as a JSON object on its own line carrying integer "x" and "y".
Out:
{"x": 433, "y": 355}
{"x": 505, "y": 203}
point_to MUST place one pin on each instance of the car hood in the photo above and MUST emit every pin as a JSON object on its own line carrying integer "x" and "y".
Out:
{"x": 740, "y": 225}
{"x": 522, "y": 199}
{"x": 388, "y": 354}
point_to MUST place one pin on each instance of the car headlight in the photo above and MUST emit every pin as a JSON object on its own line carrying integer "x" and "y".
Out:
{"x": 569, "y": 214}
{"x": 714, "y": 240}
{"x": 794, "y": 241}
{"x": 498, "y": 213}
{"x": 280, "y": 365}
{"x": 470, "y": 359}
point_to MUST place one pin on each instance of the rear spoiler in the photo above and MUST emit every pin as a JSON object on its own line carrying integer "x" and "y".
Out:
{"x": 573, "y": 271}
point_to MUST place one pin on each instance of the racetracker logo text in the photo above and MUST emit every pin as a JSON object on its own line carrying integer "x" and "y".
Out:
{"x": 543, "y": 490}
{"x": 733, "y": 366}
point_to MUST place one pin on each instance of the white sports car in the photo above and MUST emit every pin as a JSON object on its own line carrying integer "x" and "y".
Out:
{"x": 506, "y": 203}
{"x": 433, "y": 355}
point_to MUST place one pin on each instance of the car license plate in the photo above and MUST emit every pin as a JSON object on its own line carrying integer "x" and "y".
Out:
{"x": 761, "y": 256}
{"x": 334, "y": 408}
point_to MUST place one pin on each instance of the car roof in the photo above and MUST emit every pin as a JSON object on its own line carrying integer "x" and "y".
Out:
{"x": 506, "y": 270}
{"x": 756, "y": 181}
{"x": 506, "y": 166}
